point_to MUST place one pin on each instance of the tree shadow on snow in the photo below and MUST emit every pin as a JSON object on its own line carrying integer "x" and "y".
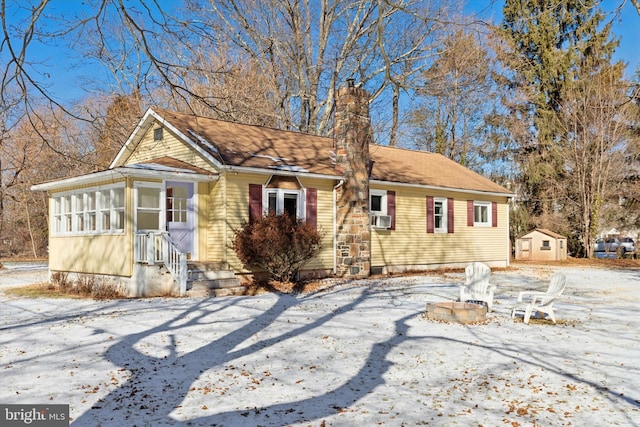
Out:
{"x": 158, "y": 385}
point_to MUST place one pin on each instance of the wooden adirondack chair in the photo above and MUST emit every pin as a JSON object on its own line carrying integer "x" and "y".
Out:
{"x": 541, "y": 302}
{"x": 477, "y": 286}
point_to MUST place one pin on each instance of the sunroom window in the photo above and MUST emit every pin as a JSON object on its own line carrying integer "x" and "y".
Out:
{"x": 112, "y": 209}
{"x": 62, "y": 214}
{"x": 148, "y": 207}
{"x": 89, "y": 211}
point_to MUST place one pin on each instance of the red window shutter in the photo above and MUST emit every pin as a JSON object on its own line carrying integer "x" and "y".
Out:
{"x": 430, "y": 219}
{"x": 391, "y": 208}
{"x": 449, "y": 215}
{"x": 469, "y": 213}
{"x": 255, "y": 202}
{"x": 494, "y": 214}
{"x": 312, "y": 207}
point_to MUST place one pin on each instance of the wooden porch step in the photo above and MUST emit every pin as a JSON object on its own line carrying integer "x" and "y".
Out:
{"x": 209, "y": 271}
{"x": 217, "y": 292}
{"x": 209, "y": 265}
{"x": 212, "y": 279}
{"x": 229, "y": 282}
{"x": 195, "y": 275}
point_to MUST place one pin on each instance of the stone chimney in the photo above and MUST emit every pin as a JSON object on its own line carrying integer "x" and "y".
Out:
{"x": 352, "y": 137}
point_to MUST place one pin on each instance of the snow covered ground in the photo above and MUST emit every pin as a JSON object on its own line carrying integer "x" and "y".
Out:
{"x": 351, "y": 355}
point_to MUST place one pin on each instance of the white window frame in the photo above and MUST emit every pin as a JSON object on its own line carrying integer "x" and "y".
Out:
{"x": 74, "y": 215}
{"x": 91, "y": 212}
{"x": 477, "y": 222}
{"x": 443, "y": 224}
{"x": 79, "y": 211}
{"x": 159, "y": 210}
{"x": 62, "y": 214}
{"x": 383, "y": 206}
{"x": 114, "y": 212}
{"x": 280, "y": 196}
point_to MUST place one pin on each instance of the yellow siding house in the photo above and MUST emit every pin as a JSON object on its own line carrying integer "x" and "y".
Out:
{"x": 160, "y": 219}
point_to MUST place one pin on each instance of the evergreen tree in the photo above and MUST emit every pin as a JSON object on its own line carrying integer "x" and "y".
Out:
{"x": 549, "y": 43}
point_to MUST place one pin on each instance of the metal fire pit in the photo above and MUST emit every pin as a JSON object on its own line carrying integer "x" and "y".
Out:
{"x": 458, "y": 312}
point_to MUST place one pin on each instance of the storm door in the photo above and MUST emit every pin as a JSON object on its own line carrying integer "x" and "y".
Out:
{"x": 180, "y": 215}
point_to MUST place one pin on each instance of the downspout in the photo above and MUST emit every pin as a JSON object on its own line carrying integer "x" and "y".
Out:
{"x": 335, "y": 226}
{"x": 225, "y": 235}
{"x": 508, "y": 236}
{"x": 130, "y": 226}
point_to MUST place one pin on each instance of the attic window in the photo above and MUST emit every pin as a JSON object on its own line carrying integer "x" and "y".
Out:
{"x": 158, "y": 134}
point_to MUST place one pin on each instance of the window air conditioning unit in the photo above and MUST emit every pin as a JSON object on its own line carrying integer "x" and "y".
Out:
{"x": 381, "y": 221}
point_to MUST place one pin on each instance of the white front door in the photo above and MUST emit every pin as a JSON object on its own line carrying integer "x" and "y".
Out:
{"x": 180, "y": 215}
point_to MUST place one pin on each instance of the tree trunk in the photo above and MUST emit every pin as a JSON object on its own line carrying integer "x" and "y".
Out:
{"x": 33, "y": 243}
{"x": 394, "y": 123}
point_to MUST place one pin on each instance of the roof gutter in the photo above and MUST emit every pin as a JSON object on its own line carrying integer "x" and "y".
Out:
{"x": 123, "y": 172}
{"x": 272, "y": 171}
{"x": 436, "y": 187}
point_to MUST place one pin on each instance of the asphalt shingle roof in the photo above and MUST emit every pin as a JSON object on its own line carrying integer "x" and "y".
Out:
{"x": 249, "y": 146}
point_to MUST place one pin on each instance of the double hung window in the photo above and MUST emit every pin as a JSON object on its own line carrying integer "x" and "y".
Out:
{"x": 440, "y": 215}
{"x": 481, "y": 214}
{"x": 378, "y": 209}
{"x": 281, "y": 201}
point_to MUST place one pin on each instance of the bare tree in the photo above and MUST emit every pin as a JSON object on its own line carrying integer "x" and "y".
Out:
{"x": 234, "y": 89}
{"x": 456, "y": 95}
{"x": 269, "y": 62}
{"x": 306, "y": 48}
{"x": 25, "y": 161}
{"x": 594, "y": 117}
{"x": 114, "y": 127}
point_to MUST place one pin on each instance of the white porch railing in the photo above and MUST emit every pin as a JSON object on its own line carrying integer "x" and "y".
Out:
{"x": 156, "y": 247}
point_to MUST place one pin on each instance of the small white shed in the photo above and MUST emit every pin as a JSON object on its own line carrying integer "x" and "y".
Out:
{"x": 541, "y": 245}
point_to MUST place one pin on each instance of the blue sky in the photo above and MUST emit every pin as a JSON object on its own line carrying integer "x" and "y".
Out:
{"x": 627, "y": 27}
{"x": 66, "y": 73}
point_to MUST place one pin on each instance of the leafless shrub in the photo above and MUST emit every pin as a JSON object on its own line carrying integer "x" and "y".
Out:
{"x": 102, "y": 290}
{"x": 84, "y": 285}
{"x": 61, "y": 280}
{"x": 277, "y": 244}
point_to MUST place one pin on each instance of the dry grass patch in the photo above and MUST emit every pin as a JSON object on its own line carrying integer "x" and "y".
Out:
{"x": 61, "y": 287}
{"x": 624, "y": 263}
{"x": 547, "y": 322}
{"x": 41, "y": 290}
